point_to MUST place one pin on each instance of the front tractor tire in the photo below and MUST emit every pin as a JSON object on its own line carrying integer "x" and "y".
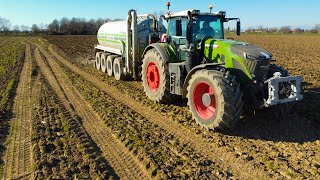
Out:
{"x": 155, "y": 77}
{"x": 215, "y": 99}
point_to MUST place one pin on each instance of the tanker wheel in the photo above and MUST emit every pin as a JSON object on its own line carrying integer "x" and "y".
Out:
{"x": 103, "y": 61}
{"x": 118, "y": 69}
{"x": 97, "y": 64}
{"x": 214, "y": 99}
{"x": 109, "y": 64}
{"x": 155, "y": 77}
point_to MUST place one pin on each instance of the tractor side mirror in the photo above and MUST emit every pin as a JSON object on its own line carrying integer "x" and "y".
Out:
{"x": 160, "y": 24}
{"x": 238, "y": 27}
{"x": 178, "y": 28}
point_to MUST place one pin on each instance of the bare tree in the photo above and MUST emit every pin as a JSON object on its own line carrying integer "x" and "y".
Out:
{"x": 24, "y": 28}
{"x": 75, "y": 25}
{"x": 313, "y": 31}
{"x": 5, "y": 25}
{"x": 92, "y": 26}
{"x": 100, "y": 22}
{"x": 64, "y": 25}
{"x": 16, "y": 28}
{"x": 35, "y": 29}
{"x": 249, "y": 29}
{"x": 298, "y": 30}
{"x": 273, "y": 30}
{"x": 286, "y": 29}
{"x": 260, "y": 28}
{"x": 54, "y": 27}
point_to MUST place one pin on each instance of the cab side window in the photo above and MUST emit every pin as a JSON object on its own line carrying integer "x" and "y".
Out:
{"x": 184, "y": 23}
{"x": 172, "y": 27}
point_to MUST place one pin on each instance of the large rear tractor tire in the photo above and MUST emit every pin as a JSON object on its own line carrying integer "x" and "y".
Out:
{"x": 215, "y": 99}
{"x": 155, "y": 77}
{"x": 109, "y": 64}
{"x": 97, "y": 63}
{"x": 118, "y": 69}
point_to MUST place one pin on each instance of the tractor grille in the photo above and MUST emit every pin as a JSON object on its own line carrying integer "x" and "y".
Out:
{"x": 259, "y": 68}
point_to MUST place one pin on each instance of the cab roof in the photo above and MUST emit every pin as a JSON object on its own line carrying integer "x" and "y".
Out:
{"x": 185, "y": 13}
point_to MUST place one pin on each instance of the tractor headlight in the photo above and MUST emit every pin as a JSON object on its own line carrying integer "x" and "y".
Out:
{"x": 247, "y": 56}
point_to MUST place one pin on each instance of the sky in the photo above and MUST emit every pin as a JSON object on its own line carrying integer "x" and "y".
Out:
{"x": 253, "y": 13}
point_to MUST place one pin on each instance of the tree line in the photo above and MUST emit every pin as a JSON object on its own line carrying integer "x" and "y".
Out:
{"x": 284, "y": 30}
{"x": 64, "y": 26}
{"x": 77, "y": 26}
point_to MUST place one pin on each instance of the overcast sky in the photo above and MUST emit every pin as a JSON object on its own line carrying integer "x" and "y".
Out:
{"x": 269, "y": 13}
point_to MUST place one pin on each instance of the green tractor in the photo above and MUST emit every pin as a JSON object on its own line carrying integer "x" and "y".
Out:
{"x": 219, "y": 77}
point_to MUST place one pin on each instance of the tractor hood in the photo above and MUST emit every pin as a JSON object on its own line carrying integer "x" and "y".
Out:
{"x": 221, "y": 48}
{"x": 248, "y": 59}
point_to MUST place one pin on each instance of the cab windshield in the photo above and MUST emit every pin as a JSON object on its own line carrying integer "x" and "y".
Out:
{"x": 207, "y": 25}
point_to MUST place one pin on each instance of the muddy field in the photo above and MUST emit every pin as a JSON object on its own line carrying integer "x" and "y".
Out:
{"x": 79, "y": 123}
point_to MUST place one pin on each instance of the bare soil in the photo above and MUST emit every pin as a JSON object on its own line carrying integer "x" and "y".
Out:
{"x": 281, "y": 148}
{"x": 73, "y": 122}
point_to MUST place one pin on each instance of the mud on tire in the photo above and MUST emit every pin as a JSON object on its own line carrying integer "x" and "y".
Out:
{"x": 226, "y": 101}
{"x": 155, "y": 78}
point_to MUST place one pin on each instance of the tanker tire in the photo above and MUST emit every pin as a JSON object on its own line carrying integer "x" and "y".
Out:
{"x": 103, "y": 62}
{"x": 109, "y": 64}
{"x": 228, "y": 102}
{"x": 162, "y": 93}
{"x": 118, "y": 69}
{"x": 97, "y": 63}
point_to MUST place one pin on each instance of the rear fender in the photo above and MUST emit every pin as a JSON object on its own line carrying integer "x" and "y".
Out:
{"x": 209, "y": 66}
{"x": 166, "y": 51}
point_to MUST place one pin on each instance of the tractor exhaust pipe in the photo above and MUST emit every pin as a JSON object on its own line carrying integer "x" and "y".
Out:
{"x": 192, "y": 57}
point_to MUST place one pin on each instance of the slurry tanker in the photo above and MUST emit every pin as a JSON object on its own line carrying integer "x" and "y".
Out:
{"x": 190, "y": 58}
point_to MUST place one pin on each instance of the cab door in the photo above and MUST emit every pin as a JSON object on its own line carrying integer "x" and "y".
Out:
{"x": 176, "y": 36}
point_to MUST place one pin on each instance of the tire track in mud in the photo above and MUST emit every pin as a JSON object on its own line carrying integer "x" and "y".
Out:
{"x": 124, "y": 163}
{"x": 18, "y": 156}
{"x": 220, "y": 156}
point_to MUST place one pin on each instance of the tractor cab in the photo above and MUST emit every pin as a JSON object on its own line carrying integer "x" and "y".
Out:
{"x": 192, "y": 27}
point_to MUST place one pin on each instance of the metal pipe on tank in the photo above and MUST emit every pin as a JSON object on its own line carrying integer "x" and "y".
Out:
{"x": 135, "y": 47}
{"x": 154, "y": 22}
{"x": 128, "y": 45}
